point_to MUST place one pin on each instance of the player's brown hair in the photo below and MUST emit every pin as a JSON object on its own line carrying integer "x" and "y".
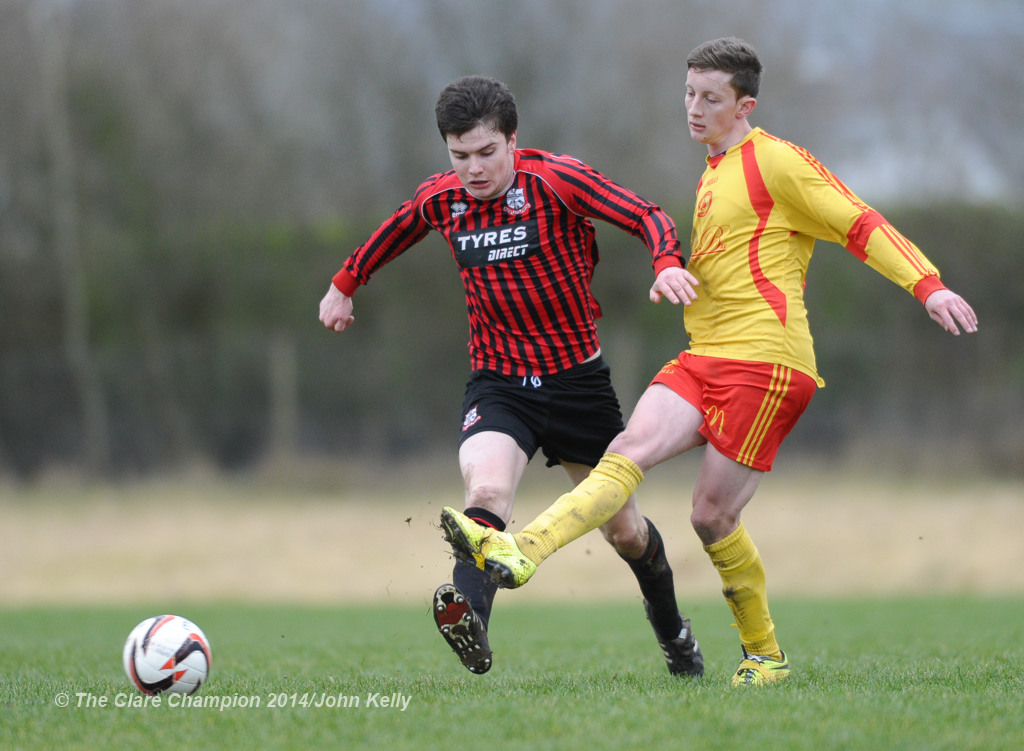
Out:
{"x": 730, "y": 55}
{"x": 476, "y": 100}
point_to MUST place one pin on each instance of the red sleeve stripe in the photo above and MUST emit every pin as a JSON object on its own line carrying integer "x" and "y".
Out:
{"x": 857, "y": 237}
{"x": 868, "y": 222}
{"x": 906, "y": 249}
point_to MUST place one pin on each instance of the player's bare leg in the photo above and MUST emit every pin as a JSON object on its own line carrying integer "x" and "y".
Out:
{"x": 492, "y": 465}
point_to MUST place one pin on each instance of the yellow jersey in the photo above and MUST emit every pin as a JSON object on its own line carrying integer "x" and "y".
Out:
{"x": 760, "y": 206}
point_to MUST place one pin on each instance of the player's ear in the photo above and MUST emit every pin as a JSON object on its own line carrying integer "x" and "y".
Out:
{"x": 512, "y": 141}
{"x": 745, "y": 106}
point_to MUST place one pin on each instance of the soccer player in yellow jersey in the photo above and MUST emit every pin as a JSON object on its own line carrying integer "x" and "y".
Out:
{"x": 749, "y": 371}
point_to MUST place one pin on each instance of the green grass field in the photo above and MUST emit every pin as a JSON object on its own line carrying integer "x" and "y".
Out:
{"x": 869, "y": 674}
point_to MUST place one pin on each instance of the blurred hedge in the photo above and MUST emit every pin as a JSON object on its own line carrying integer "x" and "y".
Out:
{"x": 206, "y": 348}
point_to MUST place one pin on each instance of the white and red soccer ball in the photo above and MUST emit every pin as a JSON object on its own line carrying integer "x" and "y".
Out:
{"x": 167, "y": 654}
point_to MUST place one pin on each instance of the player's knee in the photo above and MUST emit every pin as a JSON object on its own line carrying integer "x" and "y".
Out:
{"x": 628, "y": 443}
{"x": 629, "y": 541}
{"x": 711, "y": 523}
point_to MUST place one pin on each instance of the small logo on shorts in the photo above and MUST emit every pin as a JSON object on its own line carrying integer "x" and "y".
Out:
{"x": 715, "y": 414}
{"x": 670, "y": 367}
{"x": 472, "y": 418}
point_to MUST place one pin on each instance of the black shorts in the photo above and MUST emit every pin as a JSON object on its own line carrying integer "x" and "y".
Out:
{"x": 571, "y": 416}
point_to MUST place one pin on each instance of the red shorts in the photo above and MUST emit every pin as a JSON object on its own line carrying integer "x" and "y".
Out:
{"x": 748, "y": 407}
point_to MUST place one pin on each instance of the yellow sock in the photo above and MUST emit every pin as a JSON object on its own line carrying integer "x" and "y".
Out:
{"x": 743, "y": 584}
{"x": 587, "y": 506}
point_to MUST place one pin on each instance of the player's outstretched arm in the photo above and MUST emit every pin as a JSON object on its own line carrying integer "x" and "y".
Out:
{"x": 336, "y": 310}
{"x": 948, "y": 309}
{"x": 675, "y": 284}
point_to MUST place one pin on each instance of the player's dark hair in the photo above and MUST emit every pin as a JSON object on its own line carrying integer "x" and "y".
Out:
{"x": 730, "y": 55}
{"x": 476, "y": 100}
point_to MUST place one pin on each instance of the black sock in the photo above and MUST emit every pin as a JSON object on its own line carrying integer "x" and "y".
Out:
{"x": 657, "y": 585}
{"x": 475, "y": 585}
{"x": 485, "y": 517}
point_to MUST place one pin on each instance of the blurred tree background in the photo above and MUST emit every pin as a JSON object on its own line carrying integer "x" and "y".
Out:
{"x": 179, "y": 180}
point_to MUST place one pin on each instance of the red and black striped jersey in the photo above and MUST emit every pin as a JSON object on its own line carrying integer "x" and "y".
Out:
{"x": 526, "y": 258}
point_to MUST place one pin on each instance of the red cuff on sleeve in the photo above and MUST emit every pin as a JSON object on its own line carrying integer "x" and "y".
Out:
{"x": 345, "y": 282}
{"x": 926, "y": 286}
{"x": 667, "y": 262}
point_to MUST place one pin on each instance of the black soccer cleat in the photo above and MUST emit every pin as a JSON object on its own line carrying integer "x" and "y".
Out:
{"x": 462, "y": 628}
{"x": 682, "y": 653}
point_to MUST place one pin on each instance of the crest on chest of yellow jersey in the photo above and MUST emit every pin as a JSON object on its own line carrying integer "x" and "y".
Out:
{"x": 704, "y": 204}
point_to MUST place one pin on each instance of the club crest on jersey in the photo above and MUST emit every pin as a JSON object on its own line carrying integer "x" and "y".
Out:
{"x": 459, "y": 208}
{"x": 704, "y": 204}
{"x": 515, "y": 201}
{"x": 472, "y": 418}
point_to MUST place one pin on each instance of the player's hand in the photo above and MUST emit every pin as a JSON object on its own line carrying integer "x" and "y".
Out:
{"x": 675, "y": 284}
{"x": 947, "y": 309}
{"x": 336, "y": 310}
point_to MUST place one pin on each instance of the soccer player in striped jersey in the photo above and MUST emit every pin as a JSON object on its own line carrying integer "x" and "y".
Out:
{"x": 749, "y": 371}
{"x": 518, "y": 223}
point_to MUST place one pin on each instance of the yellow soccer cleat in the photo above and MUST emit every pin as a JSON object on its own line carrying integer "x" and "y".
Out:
{"x": 487, "y": 549}
{"x": 760, "y": 670}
